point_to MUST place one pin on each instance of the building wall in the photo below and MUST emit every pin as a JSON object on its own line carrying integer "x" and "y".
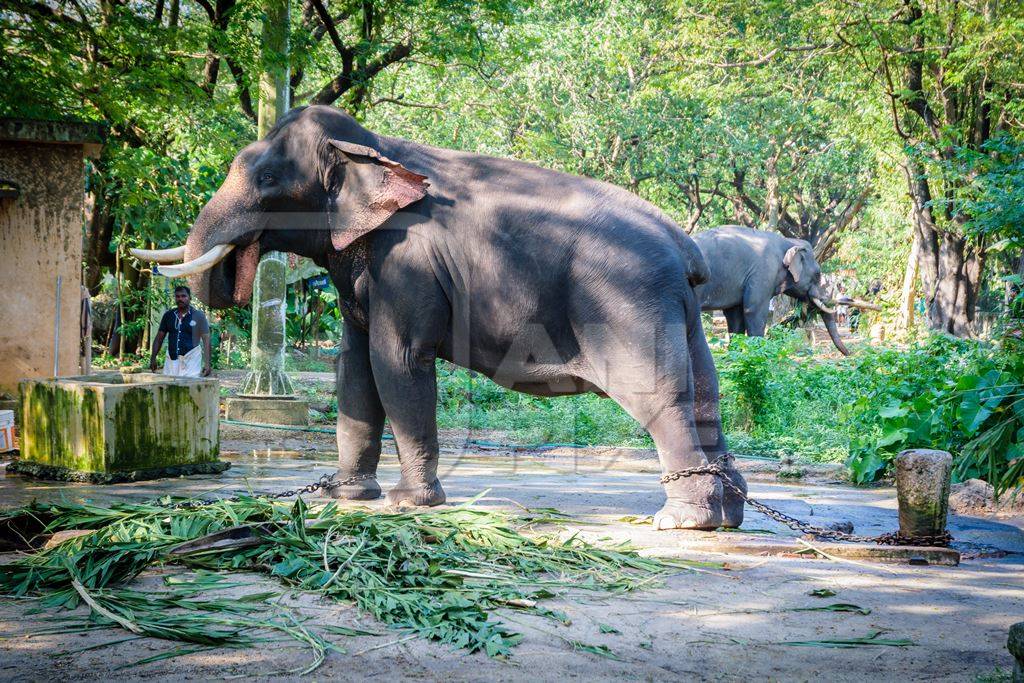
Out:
{"x": 40, "y": 238}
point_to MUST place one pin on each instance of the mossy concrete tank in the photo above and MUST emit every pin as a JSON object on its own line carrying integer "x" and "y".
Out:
{"x": 116, "y": 427}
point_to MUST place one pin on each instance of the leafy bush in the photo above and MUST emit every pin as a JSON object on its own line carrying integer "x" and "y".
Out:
{"x": 755, "y": 369}
{"x": 779, "y": 397}
{"x": 975, "y": 410}
{"x": 467, "y": 400}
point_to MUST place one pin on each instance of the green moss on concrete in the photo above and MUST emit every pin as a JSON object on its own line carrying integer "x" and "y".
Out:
{"x": 923, "y": 517}
{"x": 62, "y": 426}
{"x": 112, "y": 427}
{"x": 51, "y": 473}
{"x": 154, "y": 426}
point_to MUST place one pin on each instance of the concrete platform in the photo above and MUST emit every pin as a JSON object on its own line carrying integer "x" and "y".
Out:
{"x": 114, "y": 427}
{"x": 271, "y": 411}
{"x": 739, "y": 543}
{"x": 741, "y": 615}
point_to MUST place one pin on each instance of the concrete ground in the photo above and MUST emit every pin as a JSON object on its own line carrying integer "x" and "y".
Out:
{"x": 735, "y": 620}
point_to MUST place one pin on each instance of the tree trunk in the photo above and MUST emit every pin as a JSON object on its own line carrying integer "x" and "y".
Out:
{"x": 909, "y": 295}
{"x": 949, "y": 264}
{"x": 120, "y": 304}
{"x": 99, "y": 231}
{"x": 772, "y": 190}
{"x": 172, "y": 19}
{"x": 950, "y": 272}
{"x": 267, "y": 376}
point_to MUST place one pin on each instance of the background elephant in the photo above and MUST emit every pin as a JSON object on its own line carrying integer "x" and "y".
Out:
{"x": 748, "y": 267}
{"x": 545, "y": 282}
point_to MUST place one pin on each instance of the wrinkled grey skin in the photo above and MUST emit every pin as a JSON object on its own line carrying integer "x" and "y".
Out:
{"x": 748, "y": 267}
{"x": 545, "y": 282}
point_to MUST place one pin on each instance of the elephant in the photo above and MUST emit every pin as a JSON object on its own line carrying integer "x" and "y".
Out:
{"x": 545, "y": 282}
{"x": 748, "y": 267}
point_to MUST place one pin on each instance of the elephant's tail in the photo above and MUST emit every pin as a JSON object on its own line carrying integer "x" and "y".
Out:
{"x": 697, "y": 271}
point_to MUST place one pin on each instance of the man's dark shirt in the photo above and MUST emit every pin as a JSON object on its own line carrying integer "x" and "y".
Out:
{"x": 183, "y": 334}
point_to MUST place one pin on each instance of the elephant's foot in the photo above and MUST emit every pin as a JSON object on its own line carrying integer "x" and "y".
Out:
{"x": 732, "y": 502}
{"x": 693, "y": 503}
{"x": 406, "y": 494}
{"x": 364, "y": 489}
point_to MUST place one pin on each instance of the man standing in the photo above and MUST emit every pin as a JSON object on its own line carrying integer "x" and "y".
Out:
{"x": 185, "y": 327}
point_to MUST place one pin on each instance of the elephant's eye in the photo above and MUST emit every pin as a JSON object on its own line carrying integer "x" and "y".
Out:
{"x": 267, "y": 178}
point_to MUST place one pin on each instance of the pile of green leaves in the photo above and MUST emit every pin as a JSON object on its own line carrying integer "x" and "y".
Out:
{"x": 438, "y": 574}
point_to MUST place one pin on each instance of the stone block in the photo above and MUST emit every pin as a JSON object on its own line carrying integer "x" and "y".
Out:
{"x": 1015, "y": 644}
{"x": 280, "y": 411}
{"x": 118, "y": 427}
{"x": 922, "y": 487}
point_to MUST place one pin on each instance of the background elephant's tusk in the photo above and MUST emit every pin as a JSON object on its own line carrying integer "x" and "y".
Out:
{"x": 822, "y": 305}
{"x": 857, "y": 303}
{"x": 198, "y": 265}
{"x": 159, "y": 255}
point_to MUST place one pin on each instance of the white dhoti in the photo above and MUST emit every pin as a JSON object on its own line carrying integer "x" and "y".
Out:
{"x": 189, "y": 365}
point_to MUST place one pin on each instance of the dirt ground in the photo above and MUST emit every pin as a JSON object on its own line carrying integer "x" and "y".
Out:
{"x": 735, "y": 620}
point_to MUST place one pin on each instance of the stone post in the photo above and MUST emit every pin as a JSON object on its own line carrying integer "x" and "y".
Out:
{"x": 922, "y": 485}
{"x": 267, "y": 394}
{"x": 1015, "y": 644}
{"x": 267, "y": 376}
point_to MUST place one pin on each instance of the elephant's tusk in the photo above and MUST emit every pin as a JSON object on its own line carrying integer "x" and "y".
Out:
{"x": 159, "y": 255}
{"x": 857, "y": 303}
{"x": 198, "y": 265}
{"x": 822, "y": 305}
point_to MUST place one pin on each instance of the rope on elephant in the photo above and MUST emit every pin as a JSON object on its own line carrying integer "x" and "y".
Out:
{"x": 541, "y": 446}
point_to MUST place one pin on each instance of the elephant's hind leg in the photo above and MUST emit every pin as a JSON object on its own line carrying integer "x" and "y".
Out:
{"x": 734, "y": 320}
{"x": 709, "y": 426}
{"x": 360, "y": 419}
{"x": 651, "y": 379}
{"x": 693, "y": 502}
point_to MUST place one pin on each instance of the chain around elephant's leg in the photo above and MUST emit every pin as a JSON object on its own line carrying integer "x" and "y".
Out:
{"x": 694, "y": 502}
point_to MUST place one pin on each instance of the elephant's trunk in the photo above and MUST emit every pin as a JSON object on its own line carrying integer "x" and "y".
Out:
{"x": 833, "y": 332}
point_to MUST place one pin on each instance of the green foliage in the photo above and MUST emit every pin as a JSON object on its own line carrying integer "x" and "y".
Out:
{"x": 466, "y": 400}
{"x": 977, "y": 412}
{"x": 754, "y": 369}
{"x": 440, "y": 575}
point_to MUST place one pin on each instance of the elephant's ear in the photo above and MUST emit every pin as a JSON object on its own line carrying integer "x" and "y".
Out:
{"x": 373, "y": 189}
{"x": 794, "y": 261}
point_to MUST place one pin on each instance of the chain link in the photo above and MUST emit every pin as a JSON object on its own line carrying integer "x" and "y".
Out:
{"x": 325, "y": 483}
{"x": 891, "y": 538}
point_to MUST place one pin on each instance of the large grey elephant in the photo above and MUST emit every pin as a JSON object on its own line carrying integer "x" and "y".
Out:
{"x": 545, "y": 282}
{"x": 748, "y": 267}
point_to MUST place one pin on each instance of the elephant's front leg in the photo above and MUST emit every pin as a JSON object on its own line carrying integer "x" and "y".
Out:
{"x": 407, "y": 382}
{"x": 360, "y": 418}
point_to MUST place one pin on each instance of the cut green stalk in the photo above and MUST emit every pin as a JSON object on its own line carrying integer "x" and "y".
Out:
{"x": 439, "y": 574}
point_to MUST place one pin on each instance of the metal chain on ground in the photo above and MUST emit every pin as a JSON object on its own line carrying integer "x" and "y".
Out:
{"x": 891, "y": 538}
{"x": 325, "y": 482}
